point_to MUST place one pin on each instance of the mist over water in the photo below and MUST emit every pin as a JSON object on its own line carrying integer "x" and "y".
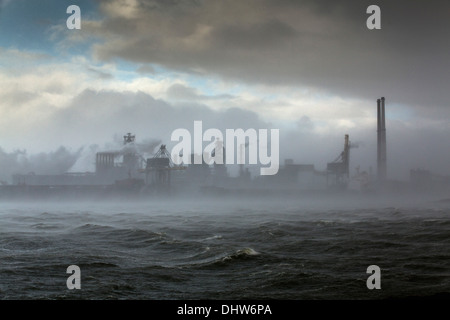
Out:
{"x": 225, "y": 248}
{"x": 63, "y": 159}
{"x": 360, "y": 120}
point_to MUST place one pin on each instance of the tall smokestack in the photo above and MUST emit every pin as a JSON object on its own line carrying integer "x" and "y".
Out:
{"x": 379, "y": 139}
{"x": 383, "y": 140}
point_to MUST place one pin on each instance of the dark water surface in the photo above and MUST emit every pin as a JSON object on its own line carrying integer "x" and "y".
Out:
{"x": 223, "y": 250}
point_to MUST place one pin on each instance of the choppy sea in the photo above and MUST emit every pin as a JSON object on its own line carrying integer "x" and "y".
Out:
{"x": 224, "y": 249}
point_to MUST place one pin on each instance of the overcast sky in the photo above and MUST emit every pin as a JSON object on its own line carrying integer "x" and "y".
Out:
{"x": 309, "y": 68}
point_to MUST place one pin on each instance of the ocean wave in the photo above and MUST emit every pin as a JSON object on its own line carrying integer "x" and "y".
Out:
{"x": 225, "y": 259}
{"x": 246, "y": 252}
{"x": 46, "y": 226}
{"x": 89, "y": 227}
{"x": 130, "y": 234}
{"x": 98, "y": 264}
{"x": 214, "y": 237}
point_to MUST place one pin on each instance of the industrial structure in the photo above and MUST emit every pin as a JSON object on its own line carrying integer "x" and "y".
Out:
{"x": 158, "y": 169}
{"x": 381, "y": 141}
{"x": 112, "y": 166}
{"x": 338, "y": 171}
{"x": 129, "y": 171}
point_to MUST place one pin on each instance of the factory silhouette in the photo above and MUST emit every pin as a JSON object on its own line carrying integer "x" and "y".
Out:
{"x": 127, "y": 173}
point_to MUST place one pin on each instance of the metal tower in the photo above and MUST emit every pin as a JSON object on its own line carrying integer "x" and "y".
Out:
{"x": 339, "y": 169}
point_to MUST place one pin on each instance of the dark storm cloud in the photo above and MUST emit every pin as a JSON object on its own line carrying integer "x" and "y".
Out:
{"x": 323, "y": 44}
{"x": 256, "y": 36}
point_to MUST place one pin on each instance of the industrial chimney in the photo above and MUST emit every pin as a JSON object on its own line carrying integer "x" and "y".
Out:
{"x": 381, "y": 140}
